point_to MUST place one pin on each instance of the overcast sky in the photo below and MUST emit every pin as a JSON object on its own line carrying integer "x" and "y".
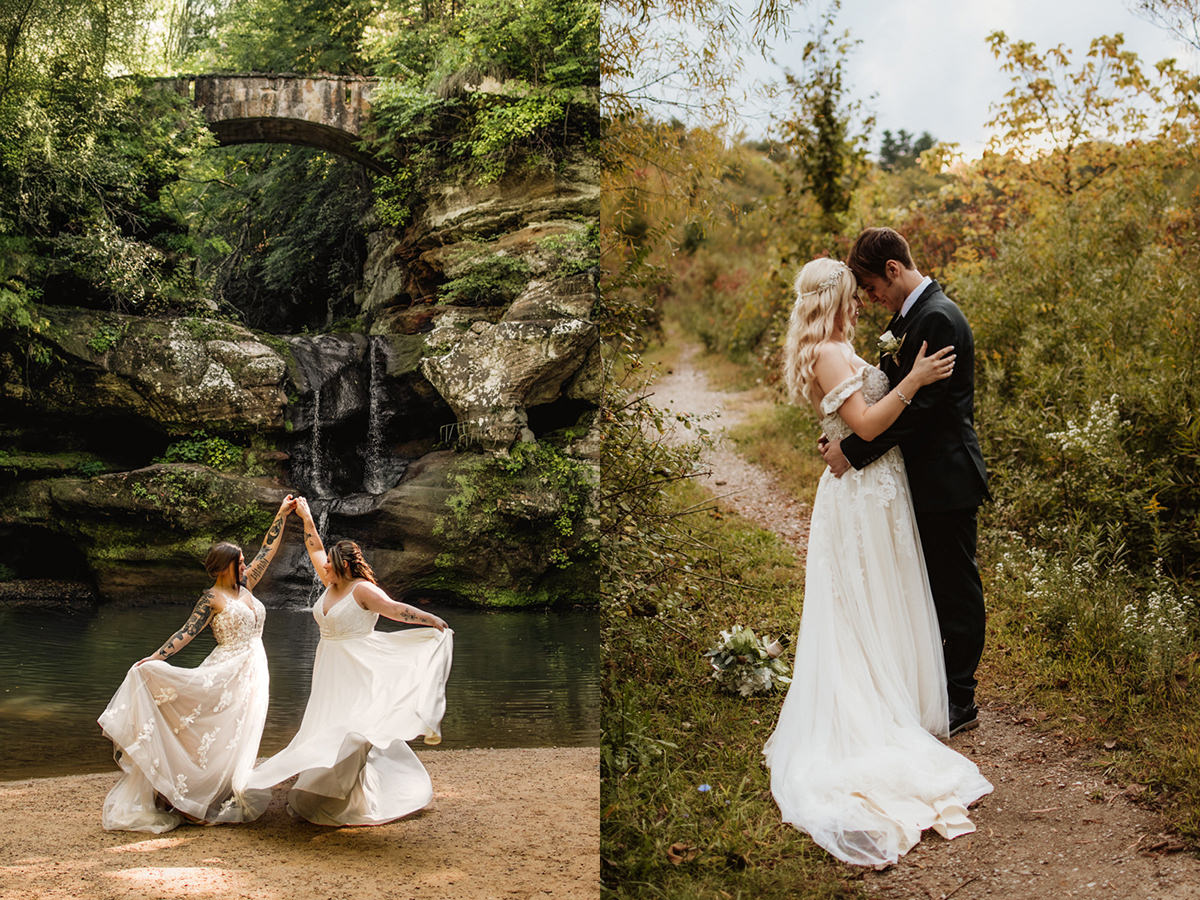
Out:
{"x": 929, "y": 68}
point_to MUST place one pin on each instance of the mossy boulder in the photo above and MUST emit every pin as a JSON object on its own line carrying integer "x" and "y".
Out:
{"x": 144, "y": 533}
{"x": 179, "y": 374}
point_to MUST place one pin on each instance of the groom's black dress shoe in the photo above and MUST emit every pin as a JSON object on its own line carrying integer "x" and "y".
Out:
{"x": 963, "y": 718}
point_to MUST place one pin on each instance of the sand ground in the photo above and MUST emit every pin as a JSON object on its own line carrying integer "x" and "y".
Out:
{"x": 503, "y": 824}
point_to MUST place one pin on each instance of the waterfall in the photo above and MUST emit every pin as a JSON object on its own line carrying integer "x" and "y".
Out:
{"x": 318, "y": 463}
{"x": 374, "y": 479}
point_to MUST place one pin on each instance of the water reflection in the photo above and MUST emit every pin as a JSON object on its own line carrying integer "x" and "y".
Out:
{"x": 520, "y": 679}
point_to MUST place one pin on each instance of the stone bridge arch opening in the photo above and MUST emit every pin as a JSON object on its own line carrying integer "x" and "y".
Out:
{"x": 326, "y": 112}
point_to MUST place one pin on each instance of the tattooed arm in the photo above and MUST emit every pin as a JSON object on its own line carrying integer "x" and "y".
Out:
{"x": 312, "y": 541}
{"x": 195, "y": 624}
{"x": 254, "y": 571}
{"x": 372, "y": 597}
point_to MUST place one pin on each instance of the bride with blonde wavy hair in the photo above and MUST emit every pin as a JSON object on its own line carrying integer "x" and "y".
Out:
{"x": 855, "y": 758}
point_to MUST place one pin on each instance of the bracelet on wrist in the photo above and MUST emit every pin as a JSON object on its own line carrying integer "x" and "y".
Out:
{"x": 904, "y": 399}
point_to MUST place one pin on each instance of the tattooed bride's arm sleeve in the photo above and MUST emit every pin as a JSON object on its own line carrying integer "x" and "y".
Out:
{"x": 195, "y": 624}
{"x": 254, "y": 571}
{"x": 374, "y": 598}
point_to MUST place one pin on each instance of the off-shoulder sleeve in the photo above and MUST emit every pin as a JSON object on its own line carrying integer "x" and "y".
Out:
{"x": 842, "y": 392}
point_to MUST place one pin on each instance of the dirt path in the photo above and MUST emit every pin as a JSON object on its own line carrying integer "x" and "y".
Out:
{"x": 503, "y": 824}
{"x": 1053, "y": 827}
{"x": 743, "y": 486}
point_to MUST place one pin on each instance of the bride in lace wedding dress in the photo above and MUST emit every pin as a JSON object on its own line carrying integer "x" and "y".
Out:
{"x": 372, "y": 691}
{"x": 186, "y": 739}
{"x": 854, "y": 759}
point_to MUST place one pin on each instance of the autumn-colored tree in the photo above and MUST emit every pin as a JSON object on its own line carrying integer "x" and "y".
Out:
{"x": 823, "y": 131}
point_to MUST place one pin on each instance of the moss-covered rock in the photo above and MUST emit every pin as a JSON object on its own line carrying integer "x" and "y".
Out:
{"x": 179, "y": 374}
{"x": 144, "y": 533}
{"x": 519, "y": 529}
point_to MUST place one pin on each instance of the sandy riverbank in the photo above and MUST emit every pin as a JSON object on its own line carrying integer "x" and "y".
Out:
{"x": 503, "y": 824}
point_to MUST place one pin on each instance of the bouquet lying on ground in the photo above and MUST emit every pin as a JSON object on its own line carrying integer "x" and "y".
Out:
{"x": 746, "y": 664}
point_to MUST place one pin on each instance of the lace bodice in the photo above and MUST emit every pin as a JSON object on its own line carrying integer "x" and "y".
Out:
{"x": 238, "y": 624}
{"x": 345, "y": 620}
{"x": 874, "y": 386}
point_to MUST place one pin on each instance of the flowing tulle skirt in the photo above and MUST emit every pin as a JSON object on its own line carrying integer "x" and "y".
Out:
{"x": 854, "y": 761}
{"x": 186, "y": 739}
{"x": 370, "y": 694}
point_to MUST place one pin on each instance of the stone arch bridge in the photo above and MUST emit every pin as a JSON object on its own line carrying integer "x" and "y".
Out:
{"x": 323, "y": 111}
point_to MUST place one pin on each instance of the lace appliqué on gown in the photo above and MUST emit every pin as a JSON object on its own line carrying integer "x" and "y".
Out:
{"x": 371, "y": 692}
{"x": 191, "y": 735}
{"x": 853, "y": 758}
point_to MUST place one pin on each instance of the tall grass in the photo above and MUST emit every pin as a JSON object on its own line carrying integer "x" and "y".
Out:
{"x": 686, "y": 809}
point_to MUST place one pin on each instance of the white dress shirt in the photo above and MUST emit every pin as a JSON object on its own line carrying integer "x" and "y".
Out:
{"x": 912, "y": 298}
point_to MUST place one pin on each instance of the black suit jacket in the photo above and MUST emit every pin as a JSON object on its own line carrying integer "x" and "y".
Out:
{"x": 937, "y": 432}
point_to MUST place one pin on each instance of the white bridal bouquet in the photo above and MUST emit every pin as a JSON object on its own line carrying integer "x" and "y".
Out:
{"x": 746, "y": 664}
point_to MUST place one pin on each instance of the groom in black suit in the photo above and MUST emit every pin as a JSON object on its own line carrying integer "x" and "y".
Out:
{"x": 936, "y": 433}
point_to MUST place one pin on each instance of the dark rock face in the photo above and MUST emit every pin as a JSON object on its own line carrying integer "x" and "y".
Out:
{"x": 352, "y": 420}
{"x": 143, "y": 533}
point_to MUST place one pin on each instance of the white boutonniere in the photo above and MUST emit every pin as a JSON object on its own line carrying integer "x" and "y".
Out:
{"x": 889, "y": 344}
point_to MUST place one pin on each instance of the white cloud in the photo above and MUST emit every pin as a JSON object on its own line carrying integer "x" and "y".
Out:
{"x": 928, "y": 65}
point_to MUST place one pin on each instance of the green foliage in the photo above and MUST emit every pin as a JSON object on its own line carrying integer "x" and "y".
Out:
{"x": 91, "y": 468}
{"x": 533, "y": 504}
{"x": 82, "y": 173}
{"x": 301, "y": 36}
{"x": 541, "y": 42}
{"x": 901, "y": 151}
{"x": 431, "y": 115}
{"x": 818, "y": 129}
{"x": 178, "y": 494}
{"x": 394, "y": 197}
{"x": 278, "y": 232}
{"x": 214, "y": 452}
{"x": 575, "y": 252}
{"x": 669, "y": 731}
{"x": 1108, "y": 655}
{"x": 500, "y": 128}
{"x": 492, "y": 280}
{"x": 106, "y": 337}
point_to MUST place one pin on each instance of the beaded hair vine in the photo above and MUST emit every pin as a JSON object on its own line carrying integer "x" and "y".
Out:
{"x": 829, "y": 280}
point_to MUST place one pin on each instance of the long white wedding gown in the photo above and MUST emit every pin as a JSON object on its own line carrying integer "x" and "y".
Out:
{"x": 854, "y": 761}
{"x": 191, "y": 735}
{"x": 371, "y": 692}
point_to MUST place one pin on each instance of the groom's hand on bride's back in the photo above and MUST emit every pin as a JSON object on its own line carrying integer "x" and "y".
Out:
{"x": 831, "y": 452}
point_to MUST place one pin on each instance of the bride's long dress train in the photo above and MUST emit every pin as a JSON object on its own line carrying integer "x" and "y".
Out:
{"x": 371, "y": 692}
{"x": 854, "y": 761}
{"x": 190, "y": 736}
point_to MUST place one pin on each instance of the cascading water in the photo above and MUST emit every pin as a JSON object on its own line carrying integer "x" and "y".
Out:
{"x": 318, "y": 476}
{"x": 374, "y": 478}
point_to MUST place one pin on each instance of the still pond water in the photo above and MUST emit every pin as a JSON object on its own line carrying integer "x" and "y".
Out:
{"x": 519, "y": 679}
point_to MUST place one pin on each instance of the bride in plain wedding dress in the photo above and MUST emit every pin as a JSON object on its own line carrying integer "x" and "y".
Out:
{"x": 371, "y": 692}
{"x": 854, "y": 759}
